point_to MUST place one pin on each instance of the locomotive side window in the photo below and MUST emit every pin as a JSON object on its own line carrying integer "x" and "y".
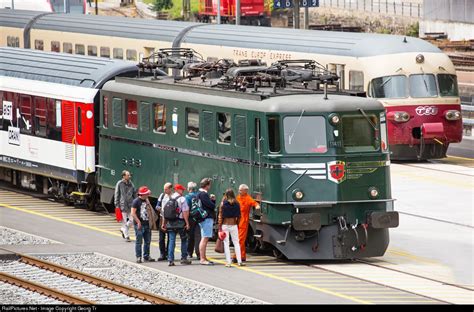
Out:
{"x": 305, "y": 134}
{"x": 25, "y": 112}
{"x": 117, "y": 115}
{"x": 448, "y": 85}
{"x": 207, "y": 126}
{"x": 105, "y": 112}
{"x": 145, "y": 111}
{"x": 192, "y": 123}
{"x": 55, "y": 46}
{"x": 67, "y": 47}
{"x": 240, "y": 131}
{"x": 132, "y": 114}
{"x": 92, "y": 50}
{"x": 389, "y": 87}
{"x": 118, "y": 53}
{"x": 224, "y": 128}
{"x": 41, "y": 114}
{"x": 80, "y": 49}
{"x": 360, "y": 134}
{"x": 39, "y": 45}
{"x": 105, "y": 52}
{"x": 423, "y": 85}
{"x": 258, "y": 134}
{"x": 274, "y": 134}
{"x": 159, "y": 118}
{"x": 356, "y": 80}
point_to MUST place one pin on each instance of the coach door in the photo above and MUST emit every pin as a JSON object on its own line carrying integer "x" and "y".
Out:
{"x": 69, "y": 122}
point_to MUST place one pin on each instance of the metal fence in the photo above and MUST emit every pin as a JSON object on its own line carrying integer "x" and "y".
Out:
{"x": 386, "y": 7}
{"x": 461, "y": 11}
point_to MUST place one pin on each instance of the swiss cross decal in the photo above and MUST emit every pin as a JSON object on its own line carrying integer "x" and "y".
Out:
{"x": 337, "y": 171}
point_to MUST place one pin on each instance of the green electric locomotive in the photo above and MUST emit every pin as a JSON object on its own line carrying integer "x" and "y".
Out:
{"x": 318, "y": 163}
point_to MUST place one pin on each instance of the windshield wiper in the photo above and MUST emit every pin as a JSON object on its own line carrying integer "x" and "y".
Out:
{"x": 424, "y": 81}
{"x": 290, "y": 138}
{"x": 368, "y": 119}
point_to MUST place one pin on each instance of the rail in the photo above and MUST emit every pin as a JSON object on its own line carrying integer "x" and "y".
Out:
{"x": 129, "y": 291}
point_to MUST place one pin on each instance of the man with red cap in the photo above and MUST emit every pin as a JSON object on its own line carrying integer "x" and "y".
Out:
{"x": 142, "y": 214}
{"x": 175, "y": 215}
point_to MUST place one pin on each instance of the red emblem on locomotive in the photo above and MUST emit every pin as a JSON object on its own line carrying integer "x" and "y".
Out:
{"x": 337, "y": 171}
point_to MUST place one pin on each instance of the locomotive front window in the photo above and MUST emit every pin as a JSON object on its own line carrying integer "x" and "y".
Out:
{"x": 360, "y": 133}
{"x": 448, "y": 85}
{"x": 305, "y": 134}
{"x": 423, "y": 85}
{"x": 389, "y": 87}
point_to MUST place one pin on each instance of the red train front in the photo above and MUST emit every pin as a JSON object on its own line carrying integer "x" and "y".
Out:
{"x": 253, "y": 12}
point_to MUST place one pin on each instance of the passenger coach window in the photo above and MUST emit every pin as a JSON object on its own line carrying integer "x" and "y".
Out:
{"x": 13, "y": 42}
{"x": 105, "y": 52}
{"x": 159, "y": 118}
{"x": 39, "y": 45}
{"x": 274, "y": 134}
{"x": 26, "y": 116}
{"x": 118, "y": 53}
{"x": 92, "y": 50}
{"x": 389, "y": 87}
{"x": 41, "y": 114}
{"x": 305, "y": 134}
{"x": 356, "y": 80}
{"x": 131, "y": 55}
{"x": 224, "y": 128}
{"x": 80, "y": 49}
{"x": 55, "y": 46}
{"x": 448, "y": 85}
{"x": 67, "y": 47}
{"x": 240, "y": 131}
{"x": 192, "y": 123}
{"x": 132, "y": 114}
{"x": 423, "y": 85}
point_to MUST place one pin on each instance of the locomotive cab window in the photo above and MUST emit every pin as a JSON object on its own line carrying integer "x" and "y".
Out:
{"x": 224, "y": 128}
{"x": 423, "y": 85}
{"x": 274, "y": 134}
{"x": 305, "y": 134}
{"x": 192, "y": 123}
{"x": 390, "y": 87}
{"x": 448, "y": 85}
{"x": 360, "y": 134}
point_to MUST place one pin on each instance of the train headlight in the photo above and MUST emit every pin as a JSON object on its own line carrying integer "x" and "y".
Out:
{"x": 398, "y": 116}
{"x": 298, "y": 194}
{"x": 452, "y": 115}
{"x": 373, "y": 192}
{"x": 420, "y": 58}
{"x": 334, "y": 119}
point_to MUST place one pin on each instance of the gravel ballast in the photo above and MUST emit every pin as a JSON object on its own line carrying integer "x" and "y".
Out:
{"x": 14, "y": 237}
{"x": 151, "y": 280}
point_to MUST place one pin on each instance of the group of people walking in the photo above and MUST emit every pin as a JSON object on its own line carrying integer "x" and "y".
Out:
{"x": 190, "y": 215}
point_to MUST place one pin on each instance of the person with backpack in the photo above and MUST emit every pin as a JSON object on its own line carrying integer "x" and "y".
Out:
{"x": 208, "y": 205}
{"x": 194, "y": 230}
{"x": 141, "y": 213}
{"x": 125, "y": 192}
{"x": 176, "y": 220}
{"x": 164, "y": 239}
{"x": 229, "y": 215}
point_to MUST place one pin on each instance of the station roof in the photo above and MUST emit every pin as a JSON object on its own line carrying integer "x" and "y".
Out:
{"x": 62, "y": 68}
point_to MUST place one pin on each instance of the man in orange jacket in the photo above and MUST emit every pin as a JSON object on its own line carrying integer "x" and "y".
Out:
{"x": 246, "y": 203}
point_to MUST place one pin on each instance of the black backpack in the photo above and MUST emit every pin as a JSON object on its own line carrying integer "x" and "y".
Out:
{"x": 197, "y": 213}
{"x": 171, "y": 210}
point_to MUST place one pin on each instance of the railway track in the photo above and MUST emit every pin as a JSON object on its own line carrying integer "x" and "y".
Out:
{"x": 71, "y": 286}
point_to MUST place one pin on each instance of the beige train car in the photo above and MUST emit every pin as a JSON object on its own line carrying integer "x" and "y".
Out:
{"x": 413, "y": 79}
